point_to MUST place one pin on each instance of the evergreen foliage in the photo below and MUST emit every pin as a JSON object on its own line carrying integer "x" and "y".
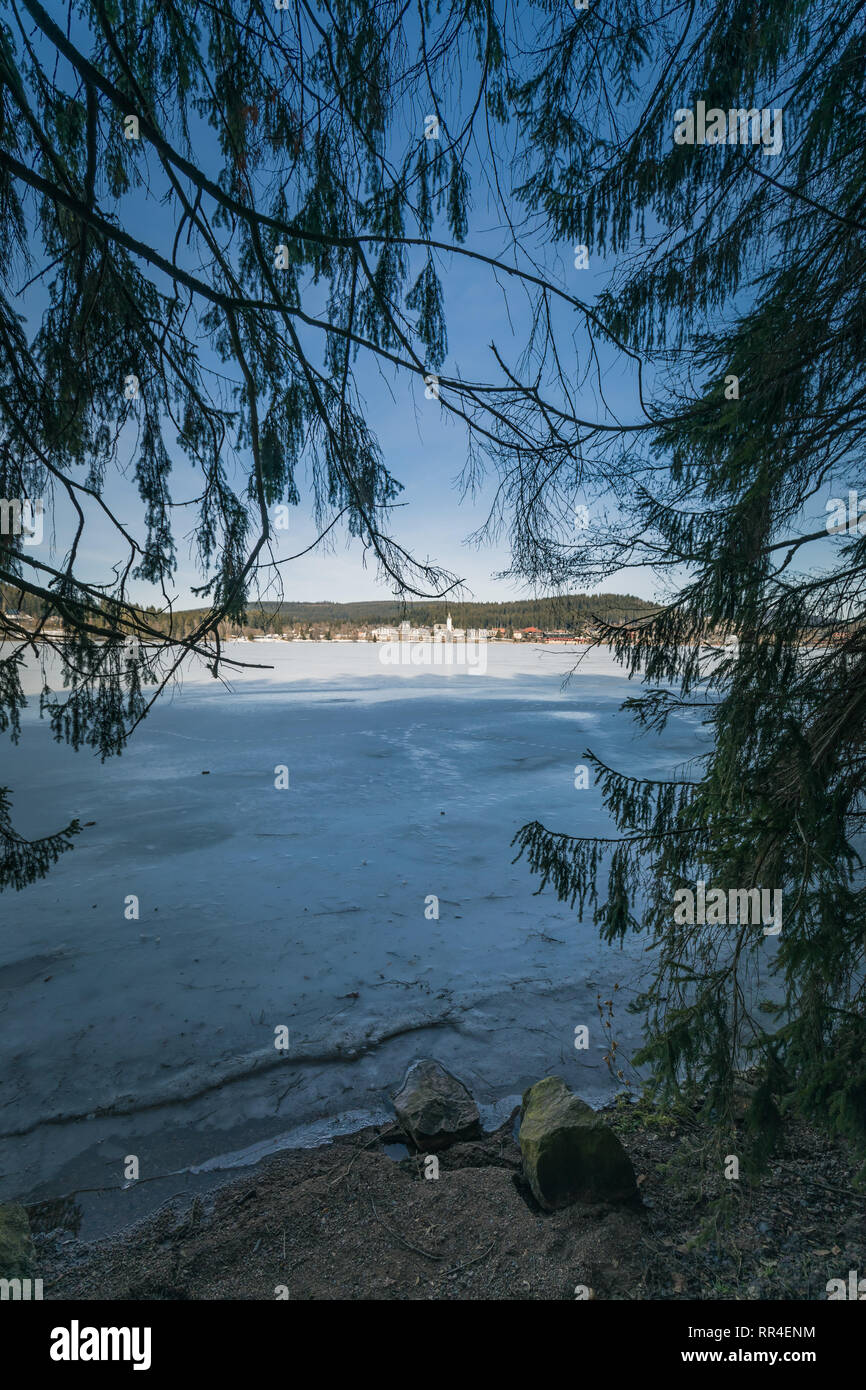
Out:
{"x": 185, "y": 188}
{"x": 303, "y": 221}
{"x": 729, "y": 263}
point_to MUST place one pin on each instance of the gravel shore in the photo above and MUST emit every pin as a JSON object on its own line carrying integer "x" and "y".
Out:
{"x": 347, "y": 1221}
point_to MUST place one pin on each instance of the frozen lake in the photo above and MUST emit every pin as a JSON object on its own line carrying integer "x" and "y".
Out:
{"x": 303, "y": 907}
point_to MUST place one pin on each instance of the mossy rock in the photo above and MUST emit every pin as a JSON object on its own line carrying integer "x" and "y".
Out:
{"x": 434, "y": 1108}
{"x": 569, "y": 1153}
{"x": 16, "y": 1251}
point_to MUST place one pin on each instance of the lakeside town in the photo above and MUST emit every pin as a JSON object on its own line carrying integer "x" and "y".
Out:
{"x": 409, "y": 632}
{"x": 567, "y": 618}
{"x": 322, "y": 632}
{"x": 581, "y": 631}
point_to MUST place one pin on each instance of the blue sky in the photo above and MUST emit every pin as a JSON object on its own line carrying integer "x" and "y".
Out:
{"x": 422, "y": 446}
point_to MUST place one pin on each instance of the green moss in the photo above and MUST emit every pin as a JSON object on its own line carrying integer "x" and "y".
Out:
{"x": 569, "y": 1153}
{"x": 15, "y": 1248}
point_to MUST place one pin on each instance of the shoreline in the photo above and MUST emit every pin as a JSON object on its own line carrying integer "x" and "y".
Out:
{"x": 350, "y": 1220}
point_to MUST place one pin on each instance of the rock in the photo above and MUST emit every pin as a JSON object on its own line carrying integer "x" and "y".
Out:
{"x": 569, "y": 1153}
{"x": 16, "y": 1251}
{"x": 434, "y": 1108}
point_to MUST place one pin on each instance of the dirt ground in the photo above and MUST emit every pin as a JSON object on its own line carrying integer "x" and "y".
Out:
{"x": 345, "y": 1221}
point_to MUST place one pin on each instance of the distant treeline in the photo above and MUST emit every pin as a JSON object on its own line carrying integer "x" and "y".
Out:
{"x": 567, "y": 612}
{"x": 12, "y": 600}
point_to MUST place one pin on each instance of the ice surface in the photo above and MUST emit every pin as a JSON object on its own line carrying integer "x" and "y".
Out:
{"x": 303, "y": 907}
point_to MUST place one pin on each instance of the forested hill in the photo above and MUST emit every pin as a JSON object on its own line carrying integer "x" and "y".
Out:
{"x": 564, "y": 611}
